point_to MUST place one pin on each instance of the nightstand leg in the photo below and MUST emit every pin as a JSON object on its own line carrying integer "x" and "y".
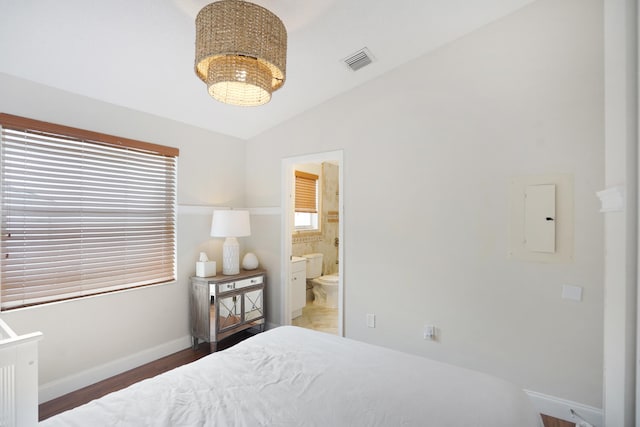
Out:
{"x": 194, "y": 340}
{"x": 213, "y": 346}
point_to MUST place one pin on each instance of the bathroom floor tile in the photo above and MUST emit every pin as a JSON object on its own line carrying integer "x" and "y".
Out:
{"x": 318, "y": 318}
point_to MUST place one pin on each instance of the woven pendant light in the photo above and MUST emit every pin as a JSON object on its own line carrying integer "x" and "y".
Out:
{"x": 241, "y": 52}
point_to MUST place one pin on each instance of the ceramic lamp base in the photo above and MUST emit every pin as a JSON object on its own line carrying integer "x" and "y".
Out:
{"x": 230, "y": 256}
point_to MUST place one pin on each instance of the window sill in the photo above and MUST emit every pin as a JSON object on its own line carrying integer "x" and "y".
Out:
{"x": 85, "y": 298}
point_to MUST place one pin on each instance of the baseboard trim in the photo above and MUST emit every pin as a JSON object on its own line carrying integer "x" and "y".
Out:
{"x": 561, "y": 408}
{"x": 269, "y": 325}
{"x": 65, "y": 385}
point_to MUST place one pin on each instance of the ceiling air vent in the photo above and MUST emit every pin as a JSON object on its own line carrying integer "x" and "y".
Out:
{"x": 360, "y": 59}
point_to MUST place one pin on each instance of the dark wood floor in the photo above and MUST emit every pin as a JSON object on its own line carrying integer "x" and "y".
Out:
{"x": 125, "y": 379}
{"x": 554, "y": 422}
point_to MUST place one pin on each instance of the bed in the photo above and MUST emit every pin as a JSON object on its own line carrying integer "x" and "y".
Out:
{"x": 289, "y": 376}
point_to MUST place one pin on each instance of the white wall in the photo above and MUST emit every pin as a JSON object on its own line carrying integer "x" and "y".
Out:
{"x": 428, "y": 152}
{"x": 90, "y": 339}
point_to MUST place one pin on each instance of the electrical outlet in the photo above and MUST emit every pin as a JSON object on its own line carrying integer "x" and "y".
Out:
{"x": 429, "y": 332}
{"x": 371, "y": 320}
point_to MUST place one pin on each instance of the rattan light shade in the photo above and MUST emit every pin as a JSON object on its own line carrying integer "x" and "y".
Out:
{"x": 241, "y": 52}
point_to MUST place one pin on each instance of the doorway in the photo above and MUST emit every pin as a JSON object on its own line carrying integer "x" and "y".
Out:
{"x": 321, "y": 240}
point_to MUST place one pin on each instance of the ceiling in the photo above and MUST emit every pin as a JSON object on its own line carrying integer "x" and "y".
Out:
{"x": 139, "y": 53}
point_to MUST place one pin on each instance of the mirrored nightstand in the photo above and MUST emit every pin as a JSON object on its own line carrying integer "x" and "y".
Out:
{"x": 224, "y": 305}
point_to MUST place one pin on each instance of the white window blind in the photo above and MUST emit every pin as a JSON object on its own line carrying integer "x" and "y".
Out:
{"x": 82, "y": 216}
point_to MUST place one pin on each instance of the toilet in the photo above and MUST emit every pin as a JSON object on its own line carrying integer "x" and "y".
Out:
{"x": 325, "y": 288}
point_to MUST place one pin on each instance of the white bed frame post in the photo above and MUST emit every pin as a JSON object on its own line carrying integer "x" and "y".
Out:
{"x": 18, "y": 377}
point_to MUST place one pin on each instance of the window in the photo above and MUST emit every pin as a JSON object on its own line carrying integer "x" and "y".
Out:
{"x": 82, "y": 213}
{"x": 306, "y": 201}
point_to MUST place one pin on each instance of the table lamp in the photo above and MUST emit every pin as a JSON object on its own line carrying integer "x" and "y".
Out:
{"x": 230, "y": 224}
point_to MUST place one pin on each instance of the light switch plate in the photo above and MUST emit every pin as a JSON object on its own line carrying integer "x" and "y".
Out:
{"x": 571, "y": 292}
{"x": 429, "y": 332}
{"x": 371, "y": 320}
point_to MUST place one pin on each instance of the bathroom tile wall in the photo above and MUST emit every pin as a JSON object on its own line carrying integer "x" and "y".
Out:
{"x": 325, "y": 241}
{"x": 330, "y": 195}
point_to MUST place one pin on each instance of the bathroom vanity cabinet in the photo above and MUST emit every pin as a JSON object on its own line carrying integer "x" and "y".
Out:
{"x": 298, "y": 285}
{"x": 225, "y": 305}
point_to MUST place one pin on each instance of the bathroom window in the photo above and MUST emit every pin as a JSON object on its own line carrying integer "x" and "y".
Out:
{"x": 306, "y": 201}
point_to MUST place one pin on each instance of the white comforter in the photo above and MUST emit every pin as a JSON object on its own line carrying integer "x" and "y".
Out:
{"x": 290, "y": 376}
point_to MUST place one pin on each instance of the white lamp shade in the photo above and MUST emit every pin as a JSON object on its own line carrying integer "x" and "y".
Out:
{"x": 230, "y": 223}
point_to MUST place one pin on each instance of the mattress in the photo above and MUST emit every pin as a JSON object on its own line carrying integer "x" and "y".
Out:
{"x": 290, "y": 376}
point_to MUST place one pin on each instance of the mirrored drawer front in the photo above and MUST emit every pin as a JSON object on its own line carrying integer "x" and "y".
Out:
{"x": 239, "y": 284}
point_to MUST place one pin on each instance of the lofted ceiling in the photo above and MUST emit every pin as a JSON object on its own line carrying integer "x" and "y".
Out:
{"x": 139, "y": 53}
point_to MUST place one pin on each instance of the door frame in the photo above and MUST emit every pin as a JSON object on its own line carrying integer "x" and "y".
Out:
{"x": 287, "y": 227}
